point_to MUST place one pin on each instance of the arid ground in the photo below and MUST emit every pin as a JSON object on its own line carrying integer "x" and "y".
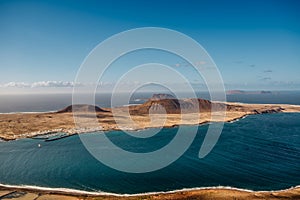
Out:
{"x": 153, "y": 113}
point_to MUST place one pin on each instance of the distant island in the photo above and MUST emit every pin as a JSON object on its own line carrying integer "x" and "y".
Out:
{"x": 231, "y": 92}
{"x": 165, "y": 108}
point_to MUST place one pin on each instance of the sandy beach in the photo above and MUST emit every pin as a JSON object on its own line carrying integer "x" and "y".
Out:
{"x": 213, "y": 193}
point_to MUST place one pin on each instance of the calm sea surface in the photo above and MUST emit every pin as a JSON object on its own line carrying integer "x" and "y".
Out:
{"x": 51, "y": 102}
{"x": 260, "y": 152}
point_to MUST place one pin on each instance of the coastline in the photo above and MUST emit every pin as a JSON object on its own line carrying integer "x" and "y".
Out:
{"x": 217, "y": 192}
{"x": 73, "y": 131}
{"x": 27, "y": 125}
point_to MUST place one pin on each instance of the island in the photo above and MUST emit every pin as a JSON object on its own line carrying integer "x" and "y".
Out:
{"x": 168, "y": 112}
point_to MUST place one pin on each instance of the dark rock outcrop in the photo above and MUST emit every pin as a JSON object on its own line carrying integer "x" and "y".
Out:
{"x": 268, "y": 110}
{"x": 81, "y": 108}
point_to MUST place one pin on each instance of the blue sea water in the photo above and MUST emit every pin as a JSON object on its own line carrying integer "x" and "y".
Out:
{"x": 51, "y": 102}
{"x": 260, "y": 152}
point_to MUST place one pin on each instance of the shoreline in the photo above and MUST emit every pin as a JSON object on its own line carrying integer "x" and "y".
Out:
{"x": 35, "y": 134}
{"x": 15, "y": 126}
{"x": 102, "y": 193}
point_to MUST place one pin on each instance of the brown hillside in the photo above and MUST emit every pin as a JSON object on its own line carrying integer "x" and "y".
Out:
{"x": 175, "y": 106}
{"x": 81, "y": 108}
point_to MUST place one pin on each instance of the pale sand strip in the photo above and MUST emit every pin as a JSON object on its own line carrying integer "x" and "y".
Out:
{"x": 56, "y": 197}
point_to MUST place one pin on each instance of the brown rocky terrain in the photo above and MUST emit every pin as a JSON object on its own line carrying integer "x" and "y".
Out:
{"x": 164, "y": 112}
{"x": 81, "y": 108}
{"x": 201, "y": 194}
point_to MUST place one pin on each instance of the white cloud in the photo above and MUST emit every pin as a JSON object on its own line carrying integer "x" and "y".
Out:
{"x": 16, "y": 84}
{"x": 52, "y": 84}
{"x": 40, "y": 84}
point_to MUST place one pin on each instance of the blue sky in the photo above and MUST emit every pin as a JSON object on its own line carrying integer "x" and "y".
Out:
{"x": 255, "y": 44}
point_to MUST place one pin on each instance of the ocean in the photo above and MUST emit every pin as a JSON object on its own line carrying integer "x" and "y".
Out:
{"x": 52, "y": 102}
{"x": 259, "y": 152}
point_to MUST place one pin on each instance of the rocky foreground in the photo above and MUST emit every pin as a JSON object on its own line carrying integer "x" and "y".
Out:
{"x": 203, "y": 194}
{"x": 156, "y": 112}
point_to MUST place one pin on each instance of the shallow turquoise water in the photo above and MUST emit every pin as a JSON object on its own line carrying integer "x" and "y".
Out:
{"x": 260, "y": 152}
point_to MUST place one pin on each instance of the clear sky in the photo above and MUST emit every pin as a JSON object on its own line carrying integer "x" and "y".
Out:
{"x": 255, "y": 44}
